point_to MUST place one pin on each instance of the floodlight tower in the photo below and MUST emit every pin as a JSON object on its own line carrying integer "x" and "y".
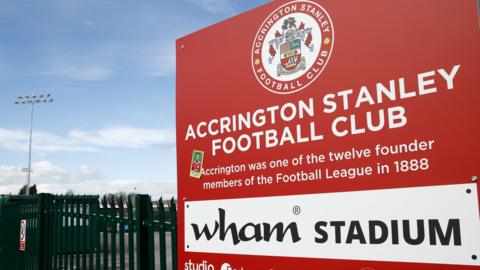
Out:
{"x": 32, "y": 100}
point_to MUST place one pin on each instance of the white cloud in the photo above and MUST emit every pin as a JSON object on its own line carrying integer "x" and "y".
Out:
{"x": 87, "y": 173}
{"x": 45, "y": 172}
{"x": 12, "y": 178}
{"x": 160, "y": 59}
{"x": 80, "y": 72}
{"x": 214, "y": 6}
{"x": 136, "y": 38}
{"x": 83, "y": 67}
{"x": 51, "y": 178}
{"x": 9, "y": 174}
{"x": 88, "y": 23}
{"x": 88, "y": 141}
{"x": 17, "y": 140}
{"x": 151, "y": 57}
{"x": 126, "y": 137}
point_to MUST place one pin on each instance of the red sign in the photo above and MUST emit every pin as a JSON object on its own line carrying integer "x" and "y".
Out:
{"x": 333, "y": 135}
{"x": 23, "y": 234}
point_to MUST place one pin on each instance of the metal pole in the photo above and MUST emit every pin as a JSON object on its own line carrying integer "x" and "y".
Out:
{"x": 31, "y": 100}
{"x": 30, "y": 152}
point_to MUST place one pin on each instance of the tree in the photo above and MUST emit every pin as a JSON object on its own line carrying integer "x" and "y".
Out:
{"x": 32, "y": 190}
{"x": 23, "y": 190}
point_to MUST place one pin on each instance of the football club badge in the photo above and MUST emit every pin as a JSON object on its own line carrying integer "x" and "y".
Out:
{"x": 292, "y": 47}
{"x": 196, "y": 164}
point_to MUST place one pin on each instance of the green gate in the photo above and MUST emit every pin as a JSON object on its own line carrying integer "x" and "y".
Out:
{"x": 84, "y": 232}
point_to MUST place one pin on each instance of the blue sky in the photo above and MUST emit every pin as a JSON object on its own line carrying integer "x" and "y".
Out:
{"x": 110, "y": 66}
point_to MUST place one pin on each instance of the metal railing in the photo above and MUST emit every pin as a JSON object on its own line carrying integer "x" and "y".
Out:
{"x": 84, "y": 232}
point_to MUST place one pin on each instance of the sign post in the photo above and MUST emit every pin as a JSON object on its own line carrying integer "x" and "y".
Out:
{"x": 329, "y": 134}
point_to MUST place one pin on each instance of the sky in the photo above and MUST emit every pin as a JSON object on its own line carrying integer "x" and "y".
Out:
{"x": 110, "y": 67}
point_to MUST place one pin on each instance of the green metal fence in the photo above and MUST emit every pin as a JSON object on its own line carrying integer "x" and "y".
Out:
{"x": 84, "y": 232}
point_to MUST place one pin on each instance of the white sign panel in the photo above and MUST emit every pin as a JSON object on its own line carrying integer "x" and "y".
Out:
{"x": 23, "y": 234}
{"x": 436, "y": 224}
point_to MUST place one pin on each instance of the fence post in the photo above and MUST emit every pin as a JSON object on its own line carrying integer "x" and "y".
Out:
{"x": 131, "y": 230}
{"x": 151, "y": 233}
{"x": 173, "y": 220}
{"x": 141, "y": 231}
{"x": 162, "y": 235}
{"x": 42, "y": 230}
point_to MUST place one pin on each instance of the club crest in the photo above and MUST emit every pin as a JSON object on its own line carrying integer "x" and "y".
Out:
{"x": 292, "y": 47}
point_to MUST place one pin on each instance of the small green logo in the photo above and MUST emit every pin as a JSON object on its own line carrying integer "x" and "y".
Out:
{"x": 196, "y": 164}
